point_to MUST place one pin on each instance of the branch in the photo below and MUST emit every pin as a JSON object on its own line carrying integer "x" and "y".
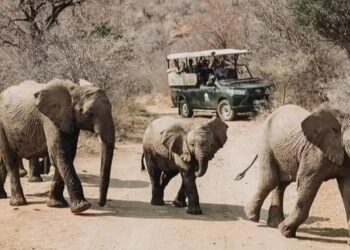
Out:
{"x": 57, "y": 9}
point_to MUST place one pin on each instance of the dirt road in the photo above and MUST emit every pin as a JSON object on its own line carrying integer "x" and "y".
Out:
{"x": 129, "y": 222}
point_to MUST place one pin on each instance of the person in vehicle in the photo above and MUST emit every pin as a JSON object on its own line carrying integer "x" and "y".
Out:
{"x": 175, "y": 67}
{"x": 200, "y": 63}
{"x": 190, "y": 68}
{"x": 214, "y": 63}
{"x": 224, "y": 69}
{"x": 183, "y": 68}
{"x": 224, "y": 62}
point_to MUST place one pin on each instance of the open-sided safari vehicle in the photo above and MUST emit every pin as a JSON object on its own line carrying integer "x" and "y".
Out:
{"x": 221, "y": 84}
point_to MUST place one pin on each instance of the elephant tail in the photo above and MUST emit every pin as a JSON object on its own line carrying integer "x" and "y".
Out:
{"x": 241, "y": 175}
{"x": 143, "y": 167}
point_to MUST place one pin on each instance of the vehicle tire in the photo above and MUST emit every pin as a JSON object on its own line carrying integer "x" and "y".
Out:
{"x": 185, "y": 110}
{"x": 225, "y": 111}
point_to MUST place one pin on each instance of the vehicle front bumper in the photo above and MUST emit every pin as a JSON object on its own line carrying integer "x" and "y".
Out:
{"x": 248, "y": 106}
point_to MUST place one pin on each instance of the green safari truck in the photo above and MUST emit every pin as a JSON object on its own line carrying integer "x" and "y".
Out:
{"x": 220, "y": 84}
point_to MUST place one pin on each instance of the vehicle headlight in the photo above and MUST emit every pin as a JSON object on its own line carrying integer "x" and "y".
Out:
{"x": 239, "y": 91}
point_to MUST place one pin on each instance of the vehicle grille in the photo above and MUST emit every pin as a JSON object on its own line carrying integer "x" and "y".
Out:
{"x": 254, "y": 95}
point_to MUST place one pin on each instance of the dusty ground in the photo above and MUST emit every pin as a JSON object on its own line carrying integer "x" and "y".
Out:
{"x": 129, "y": 222}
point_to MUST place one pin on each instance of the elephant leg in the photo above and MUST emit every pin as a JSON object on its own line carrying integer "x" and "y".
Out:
{"x": 189, "y": 182}
{"x": 34, "y": 170}
{"x": 22, "y": 171}
{"x": 344, "y": 187}
{"x": 180, "y": 199}
{"x": 276, "y": 215}
{"x": 308, "y": 185}
{"x": 56, "y": 198}
{"x": 13, "y": 163}
{"x": 154, "y": 175}
{"x": 46, "y": 165}
{"x": 62, "y": 150}
{"x": 268, "y": 180}
{"x": 3, "y": 175}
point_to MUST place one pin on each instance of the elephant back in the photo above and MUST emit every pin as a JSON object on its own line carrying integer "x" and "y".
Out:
{"x": 21, "y": 119}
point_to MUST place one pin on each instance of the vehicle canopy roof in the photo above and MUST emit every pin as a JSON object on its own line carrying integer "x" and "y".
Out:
{"x": 205, "y": 53}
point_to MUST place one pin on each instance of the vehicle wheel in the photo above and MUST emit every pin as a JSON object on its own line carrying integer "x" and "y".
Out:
{"x": 185, "y": 110}
{"x": 225, "y": 112}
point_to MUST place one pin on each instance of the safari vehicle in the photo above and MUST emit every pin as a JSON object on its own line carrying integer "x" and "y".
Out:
{"x": 228, "y": 91}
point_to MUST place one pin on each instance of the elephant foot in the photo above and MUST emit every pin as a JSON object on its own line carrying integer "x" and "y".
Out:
{"x": 34, "y": 178}
{"x": 251, "y": 214}
{"x": 78, "y": 207}
{"x": 22, "y": 172}
{"x": 3, "y": 194}
{"x": 157, "y": 201}
{"x": 275, "y": 216}
{"x": 286, "y": 231}
{"x": 58, "y": 203}
{"x": 194, "y": 210}
{"x": 179, "y": 203}
{"x": 18, "y": 201}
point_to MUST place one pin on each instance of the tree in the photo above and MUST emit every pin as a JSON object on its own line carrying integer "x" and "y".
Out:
{"x": 330, "y": 18}
{"x": 30, "y": 17}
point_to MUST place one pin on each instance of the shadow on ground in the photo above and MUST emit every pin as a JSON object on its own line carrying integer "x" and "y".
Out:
{"x": 324, "y": 240}
{"x": 139, "y": 209}
{"x": 325, "y": 231}
{"x": 93, "y": 180}
{"x": 320, "y": 231}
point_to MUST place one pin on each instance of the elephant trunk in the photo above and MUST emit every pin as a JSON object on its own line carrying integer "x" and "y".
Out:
{"x": 202, "y": 165}
{"x": 107, "y": 138}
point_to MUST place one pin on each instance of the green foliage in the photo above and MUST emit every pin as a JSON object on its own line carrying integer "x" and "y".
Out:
{"x": 329, "y": 17}
{"x": 103, "y": 29}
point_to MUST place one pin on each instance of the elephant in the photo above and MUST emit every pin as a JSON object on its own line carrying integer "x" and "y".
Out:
{"x": 172, "y": 146}
{"x": 44, "y": 120}
{"x": 305, "y": 147}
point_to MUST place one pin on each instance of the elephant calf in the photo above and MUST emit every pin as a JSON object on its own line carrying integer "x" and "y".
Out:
{"x": 305, "y": 147}
{"x": 171, "y": 146}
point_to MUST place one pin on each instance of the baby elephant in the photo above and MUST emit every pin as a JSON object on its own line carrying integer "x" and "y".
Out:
{"x": 171, "y": 146}
{"x": 305, "y": 147}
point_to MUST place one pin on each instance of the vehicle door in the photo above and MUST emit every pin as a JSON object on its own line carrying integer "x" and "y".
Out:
{"x": 207, "y": 97}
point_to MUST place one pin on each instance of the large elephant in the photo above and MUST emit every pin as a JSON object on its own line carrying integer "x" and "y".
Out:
{"x": 39, "y": 120}
{"x": 305, "y": 147}
{"x": 171, "y": 146}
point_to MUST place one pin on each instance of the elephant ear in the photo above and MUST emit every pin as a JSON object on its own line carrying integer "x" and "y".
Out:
{"x": 219, "y": 128}
{"x": 174, "y": 139}
{"x": 55, "y": 102}
{"x": 322, "y": 129}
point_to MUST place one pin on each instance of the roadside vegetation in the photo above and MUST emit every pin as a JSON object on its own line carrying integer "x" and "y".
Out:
{"x": 303, "y": 47}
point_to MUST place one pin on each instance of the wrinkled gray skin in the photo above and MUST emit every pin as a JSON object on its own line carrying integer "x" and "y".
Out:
{"x": 171, "y": 146}
{"x": 305, "y": 147}
{"x": 39, "y": 120}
